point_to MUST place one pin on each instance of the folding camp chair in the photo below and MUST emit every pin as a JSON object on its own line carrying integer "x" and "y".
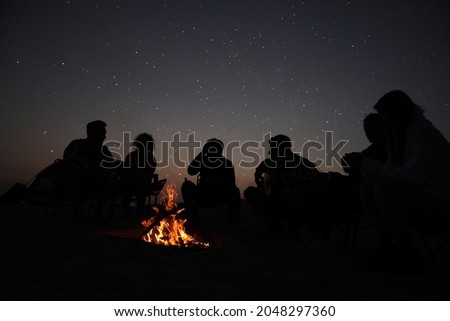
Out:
{"x": 156, "y": 189}
{"x": 151, "y": 194}
{"x": 59, "y": 194}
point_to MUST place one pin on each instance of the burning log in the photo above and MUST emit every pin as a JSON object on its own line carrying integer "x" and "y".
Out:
{"x": 167, "y": 227}
{"x": 168, "y": 206}
{"x": 154, "y": 221}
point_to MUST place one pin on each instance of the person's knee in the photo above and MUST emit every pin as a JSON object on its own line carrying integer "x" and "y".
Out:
{"x": 250, "y": 192}
{"x": 386, "y": 187}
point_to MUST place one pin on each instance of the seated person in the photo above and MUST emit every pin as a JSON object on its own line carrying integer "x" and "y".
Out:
{"x": 377, "y": 149}
{"x": 216, "y": 183}
{"x": 90, "y": 168}
{"x": 286, "y": 185}
{"x": 138, "y": 173}
{"x": 341, "y": 203}
{"x": 411, "y": 189}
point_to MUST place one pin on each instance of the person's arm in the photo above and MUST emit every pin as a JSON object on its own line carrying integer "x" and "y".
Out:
{"x": 421, "y": 155}
{"x": 196, "y": 164}
{"x": 108, "y": 160}
{"x": 259, "y": 172}
{"x": 351, "y": 163}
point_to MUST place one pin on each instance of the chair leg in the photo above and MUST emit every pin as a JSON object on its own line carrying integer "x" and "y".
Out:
{"x": 150, "y": 201}
{"x": 155, "y": 199}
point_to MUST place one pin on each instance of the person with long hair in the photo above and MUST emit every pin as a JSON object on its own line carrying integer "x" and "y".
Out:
{"x": 410, "y": 189}
{"x": 138, "y": 172}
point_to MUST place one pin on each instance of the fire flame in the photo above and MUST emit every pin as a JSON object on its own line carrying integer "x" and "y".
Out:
{"x": 170, "y": 229}
{"x": 171, "y": 194}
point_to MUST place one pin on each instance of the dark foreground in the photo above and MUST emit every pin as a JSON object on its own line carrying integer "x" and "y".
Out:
{"x": 62, "y": 258}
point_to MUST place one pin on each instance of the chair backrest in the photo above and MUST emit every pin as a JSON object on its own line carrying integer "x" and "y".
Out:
{"x": 46, "y": 180}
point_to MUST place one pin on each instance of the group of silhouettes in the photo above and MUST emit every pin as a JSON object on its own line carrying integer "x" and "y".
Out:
{"x": 401, "y": 180}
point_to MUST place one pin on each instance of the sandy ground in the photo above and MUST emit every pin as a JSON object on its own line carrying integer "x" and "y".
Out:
{"x": 46, "y": 257}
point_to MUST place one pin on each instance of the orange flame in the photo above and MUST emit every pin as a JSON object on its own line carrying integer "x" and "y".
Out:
{"x": 170, "y": 230}
{"x": 171, "y": 194}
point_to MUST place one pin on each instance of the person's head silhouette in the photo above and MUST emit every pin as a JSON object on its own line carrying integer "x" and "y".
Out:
{"x": 144, "y": 142}
{"x": 280, "y": 146}
{"x": 397, "y": 110}
{"x": 213, "y": 147}
{"x": 373, "y": 128}
{"x": 96, "y": 131}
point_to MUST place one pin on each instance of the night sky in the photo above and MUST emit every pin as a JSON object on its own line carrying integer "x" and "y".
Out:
{"x": 234, "y": 70}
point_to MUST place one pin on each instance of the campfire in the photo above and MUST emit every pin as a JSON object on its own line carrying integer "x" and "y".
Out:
{"x": 168, "y": 226}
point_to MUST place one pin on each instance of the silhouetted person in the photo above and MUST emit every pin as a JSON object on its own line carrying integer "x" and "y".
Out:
{"x": 340, "y": 195}
{"x": 216, "y": 181}
{"x": 412, "y": 188}
{"x": 377, "y": 150}
{"x": 286, "y": 188}
{"x": 138, "y": 174}
{"x": 90, "y": 167}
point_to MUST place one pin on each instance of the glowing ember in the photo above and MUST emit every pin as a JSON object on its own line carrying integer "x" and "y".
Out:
{"x": 169, "y": 229}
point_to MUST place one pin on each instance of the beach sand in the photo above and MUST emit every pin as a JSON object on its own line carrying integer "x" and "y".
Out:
{"x": 48, "y": 257}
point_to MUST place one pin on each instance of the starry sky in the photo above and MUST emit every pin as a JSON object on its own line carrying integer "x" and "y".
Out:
{"x": 234, "y": 70}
